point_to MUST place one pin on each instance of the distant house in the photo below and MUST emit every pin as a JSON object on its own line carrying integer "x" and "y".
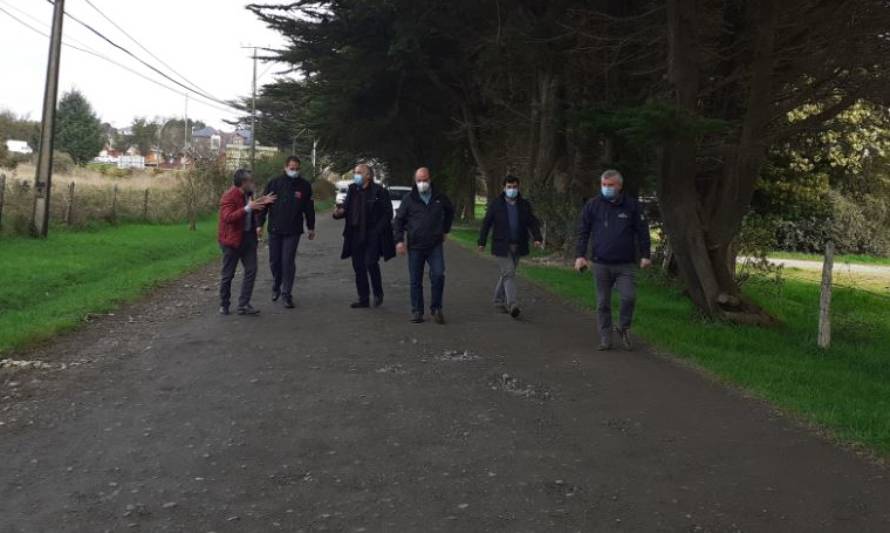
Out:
{"x": 207, "y": 142}
{"x": 19, "y": 147}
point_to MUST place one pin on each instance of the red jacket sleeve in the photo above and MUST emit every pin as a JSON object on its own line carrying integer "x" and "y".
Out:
{"x": 231, "y": 209}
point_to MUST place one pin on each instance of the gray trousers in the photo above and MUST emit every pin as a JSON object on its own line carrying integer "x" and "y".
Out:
{"x": 620, "y": 277}
{"x": 246, "y": 254}
{"x": 505, "y": 290}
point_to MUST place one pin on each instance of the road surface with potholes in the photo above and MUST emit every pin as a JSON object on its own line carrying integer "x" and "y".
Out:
{"x": 168, "y": 417}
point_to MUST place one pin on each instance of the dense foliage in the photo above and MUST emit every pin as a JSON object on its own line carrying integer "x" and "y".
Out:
{"x": 79, "y": 131}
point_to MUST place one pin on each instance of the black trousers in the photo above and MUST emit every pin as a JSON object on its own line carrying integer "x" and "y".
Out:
{"x": 283, "y": 260}
{"x": 365, "y": 268}
{"x": 246, "y": 254}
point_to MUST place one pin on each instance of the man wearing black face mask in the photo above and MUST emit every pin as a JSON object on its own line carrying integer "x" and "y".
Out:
{"x": 286, "y": 218}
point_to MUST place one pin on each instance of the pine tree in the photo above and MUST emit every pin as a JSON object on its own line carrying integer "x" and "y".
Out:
{"x": 78, "y": 129}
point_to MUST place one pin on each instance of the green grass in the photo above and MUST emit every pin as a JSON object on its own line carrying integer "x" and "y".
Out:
{"x": 850, "y": 258}
{"x": 845, "y": 389}
{"x": 47, "y": 287}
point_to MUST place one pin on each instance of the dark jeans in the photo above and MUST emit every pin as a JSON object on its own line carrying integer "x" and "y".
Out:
{"x": 417, "y": 259}
{"x": 283, "y": 260}
{"x": 364, "y": 269}
{"x": 620, "y": 277}
{"x": 246, "y": 254}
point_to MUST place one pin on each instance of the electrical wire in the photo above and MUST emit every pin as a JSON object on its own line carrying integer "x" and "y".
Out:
{"x": 146, "y": 50}
{"x": 87, "y": 50}
{"x": 137, "y": 58}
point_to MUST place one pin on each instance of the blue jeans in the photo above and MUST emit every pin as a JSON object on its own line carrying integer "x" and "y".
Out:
{"x": 417, "y": 259}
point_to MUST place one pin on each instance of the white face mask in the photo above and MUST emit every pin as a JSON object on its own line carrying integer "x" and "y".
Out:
{"x": 423, "y": 187}
{"x": 292, "y": 173}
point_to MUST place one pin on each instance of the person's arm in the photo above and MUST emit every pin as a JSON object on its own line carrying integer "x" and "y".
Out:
{"x": 231, "y": 211}
{"x": 644, "y": 239}
{"x": 449, "y": 215}
{"x": 584, "y": 229}
{"x": 264, "y": 213}
{"x": 342, "y": 211}
{"x": 486, "y": 225}
{"x": 310, "y": 210}
{"x": 534, "y": 225}
{"x": 398, "y": 229}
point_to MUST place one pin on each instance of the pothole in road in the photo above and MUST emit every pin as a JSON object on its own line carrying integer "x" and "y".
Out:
{"x": 517, "y": 387}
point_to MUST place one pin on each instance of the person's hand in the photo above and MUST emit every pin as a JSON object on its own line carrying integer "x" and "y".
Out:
{"x": 581, "y": 264}
{"x": 256, "y": 205}
{"x": 339, "y": 212}
{"x": 259, "y": 233}
{"x": 401, "y": 249}
{"x": 539, "y": 244}
{"x": 312, "y": 235}
{"x": 269, "y": 199}
{"x": 645, "y": 263}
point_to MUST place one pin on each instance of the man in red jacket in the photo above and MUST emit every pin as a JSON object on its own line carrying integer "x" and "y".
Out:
{"x": 238, "y": 239}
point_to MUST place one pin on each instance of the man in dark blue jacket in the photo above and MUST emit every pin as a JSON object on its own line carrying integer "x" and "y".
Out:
{"x": 511, "y": 219}
{"x": 618, "y": 226}
{"x": 425, "y": 216}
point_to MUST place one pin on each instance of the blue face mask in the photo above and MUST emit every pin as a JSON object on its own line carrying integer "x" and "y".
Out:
{"x": 511, "y": 193}
{"x": 609, "y": 193}
{"x": 358, "y": 179}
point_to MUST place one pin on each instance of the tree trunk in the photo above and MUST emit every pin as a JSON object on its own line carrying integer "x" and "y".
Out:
{"x": 702, "y": 225}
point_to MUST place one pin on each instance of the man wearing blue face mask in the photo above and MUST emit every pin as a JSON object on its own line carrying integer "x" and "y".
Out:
{"x": 293, "y": 207}
{"x": 368, "y": 234}
{"x": 511, "y": 220}
{"x": 618, "y": 227}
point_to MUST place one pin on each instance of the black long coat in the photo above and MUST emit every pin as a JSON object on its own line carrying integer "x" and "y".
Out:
{"x": 376, "y": 232}
{"x": 496, "y": 219}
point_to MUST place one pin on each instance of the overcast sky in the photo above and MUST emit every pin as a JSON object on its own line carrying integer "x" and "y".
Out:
{"x": 201, "y": 39}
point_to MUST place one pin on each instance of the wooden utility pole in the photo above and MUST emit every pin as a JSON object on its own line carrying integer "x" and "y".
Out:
{"x": 43, "y": 177}
{"x": 253, "y": 118}
{"x": 825, "y": 298}
{"x": 2, "y": 196}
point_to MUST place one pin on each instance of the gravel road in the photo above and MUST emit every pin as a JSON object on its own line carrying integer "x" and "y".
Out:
{"x": 168, "y": 417}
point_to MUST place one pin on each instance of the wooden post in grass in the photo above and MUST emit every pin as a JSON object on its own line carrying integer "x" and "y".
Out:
{"x": 145, "y": 206}
{"x": 825, "y": 298}
{"x": 2, "y": 196}
{"x": 114, "y": 204}
{"x": 69, "y": 205}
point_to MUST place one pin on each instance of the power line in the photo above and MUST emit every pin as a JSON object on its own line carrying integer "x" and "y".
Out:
{"x": 144, "y": 49}
{"x": 87, "y": 50}
{"x": 137, "y": 58}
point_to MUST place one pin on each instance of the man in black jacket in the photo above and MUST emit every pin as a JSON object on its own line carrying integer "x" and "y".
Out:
{"x": 426, "y": 215}
{"x": 512, "y": 219}
{"x": 286, "y": 217}
{"x": 618, "y": 226}
{"x": 368, "y": 233}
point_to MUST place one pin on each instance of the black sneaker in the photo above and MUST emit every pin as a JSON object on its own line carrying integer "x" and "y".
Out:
{"x": 624, "y": 335}
{"x": 438, "y": 316}
{"x": 378, "y": 301}
{"x": 359, "y": 305}
{"x": 248, "y": 310}
{"x": 288, "y": 301}
{"x": 224, "y": 310}
{"x": 417, "y": 318}
{"x": 276, "y": 295}
{"x": 514, "y": 311}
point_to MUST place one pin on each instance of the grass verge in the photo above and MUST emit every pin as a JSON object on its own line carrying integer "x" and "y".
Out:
{"x": 845, "y": 390}
{"x": 47, "y": 287}
{"x": 851, "y": 259}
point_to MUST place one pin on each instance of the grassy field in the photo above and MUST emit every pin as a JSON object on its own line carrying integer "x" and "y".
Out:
{"x": 852, "y": 259}
{"x": 49, "y": 286}
{"x": 845, "y": 389}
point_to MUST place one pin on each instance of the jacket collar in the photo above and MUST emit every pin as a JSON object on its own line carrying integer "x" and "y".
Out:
{"x": 416, "y": 194}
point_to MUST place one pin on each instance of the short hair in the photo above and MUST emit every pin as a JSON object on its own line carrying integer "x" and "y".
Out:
{"x": 241, "y": 175}
{"x": 613, "y": 174}
{"x": 367, "y": 166}
{"x": 292, "y": 158}
{"x": 509, "y": 178}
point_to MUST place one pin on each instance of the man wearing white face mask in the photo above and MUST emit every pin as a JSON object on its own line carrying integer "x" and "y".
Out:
{"x": 619, "y": 230}
{"x": 426, "y": 216}
{"x": 286, "y": 218}
{"x": 511, "y": 218}
{"x": 368, "y": 234}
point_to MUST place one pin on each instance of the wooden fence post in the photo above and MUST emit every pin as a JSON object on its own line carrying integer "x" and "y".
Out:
{"x": 145, "y": 206}
{"x": 69, "y": 206}
{"x": 825, "y": 298}
{"x": 2, "y": 196}
{"x": 114, "y": 204}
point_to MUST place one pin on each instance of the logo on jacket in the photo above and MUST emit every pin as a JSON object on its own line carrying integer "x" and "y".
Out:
{"x": 299, "y": 195}
{"x": 623, "y": 215}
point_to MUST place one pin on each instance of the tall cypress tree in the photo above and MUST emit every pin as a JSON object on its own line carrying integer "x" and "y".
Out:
{"x": 78, "y": 129}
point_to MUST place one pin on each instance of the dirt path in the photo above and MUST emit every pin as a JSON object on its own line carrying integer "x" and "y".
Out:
{"x": 329, "y": 419}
